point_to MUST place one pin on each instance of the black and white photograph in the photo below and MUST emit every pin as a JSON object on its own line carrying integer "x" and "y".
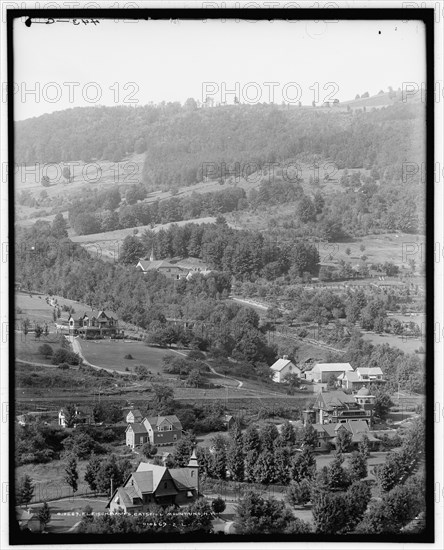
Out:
{"x": 221, "y": 271}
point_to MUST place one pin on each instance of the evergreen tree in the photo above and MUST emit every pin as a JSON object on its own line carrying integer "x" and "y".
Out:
{"x": 252, "y": 446}
{"x": 282, "y": 465}
{"x": 92, "y": 471}
{"x": 387, "y": 474}
{"x": 330, "y": 512}
{"x": 358, "y": 466}
{"x": 219, "y": 466}
{"x": 182, "y": 452}
{"x": 343, "y": 440}
{"x": 132, "y": 250}
{"x": 337, "y": 476}
{"x": 44, "y": 514}
{"x": 268, "y": 436}
{"x": 25, "y": 490}
{"x": 235, "y": 455}
{"x": 71, "y": 473}
{"x": 310, "y": 437}
{"x": 218, "y": 505}
{"x": 288, "y": 434}
{"x": 358, "y": 495}
{"x": 264, "y": 469}
{"x": 298, "y": 493}
{"x": 304, "y": 465}
{"x": 364, "y": 446}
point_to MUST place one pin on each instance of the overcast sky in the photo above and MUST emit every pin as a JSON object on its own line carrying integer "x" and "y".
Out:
{"x": 152, "y": 61}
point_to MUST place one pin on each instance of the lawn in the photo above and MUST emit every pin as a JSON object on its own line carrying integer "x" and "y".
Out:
{"x": 35, "y": 308}
{"x": 49, "y": 480}
{"x": 111, "y": 354}
{"x": 407, "y": 345}
{"x": 67, "y": 512}
{"x": 27, "y": 347}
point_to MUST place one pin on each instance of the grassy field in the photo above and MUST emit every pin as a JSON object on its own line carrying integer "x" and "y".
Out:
{"x": 111, "y": 354}
{"x": 27, "y": 347}
{"x": 35, "y": 308}
{"x": 67, "y": 512}
{"x": 408, "y": 345}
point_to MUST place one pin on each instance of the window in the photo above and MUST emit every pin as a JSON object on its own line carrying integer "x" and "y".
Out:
{"x": 192, "y": 473}
{"x": 174, "y": 437}
{"x": 165, "y": 485}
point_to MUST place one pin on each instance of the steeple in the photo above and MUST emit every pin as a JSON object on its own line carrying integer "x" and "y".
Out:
{"x": 193, "y": 463}
{"x": 152, "y": 258}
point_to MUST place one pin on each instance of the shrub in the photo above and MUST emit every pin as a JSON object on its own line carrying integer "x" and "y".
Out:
{"x": 128, "y": 356}
{"x": 65, "y": 356}
{"x": 46, "y": 350}
{"x": 196, "y": 355}
{"x": 218, "y": 505}
{"x": 63, "y": 366}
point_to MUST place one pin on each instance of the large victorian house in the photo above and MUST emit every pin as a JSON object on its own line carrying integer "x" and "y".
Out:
{"x": 338, "y": 407}
{"x": 94, "y": 324}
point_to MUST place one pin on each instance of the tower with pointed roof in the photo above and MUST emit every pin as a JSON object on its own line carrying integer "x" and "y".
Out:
{"x": 193, "y": 468}
{"x": 152, "y": 257}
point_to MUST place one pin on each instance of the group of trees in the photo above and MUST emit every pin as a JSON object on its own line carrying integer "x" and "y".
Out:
{"x": 184, "y": 146}
{"x": 103, "y": 474}
{"x": 244, "y": 254}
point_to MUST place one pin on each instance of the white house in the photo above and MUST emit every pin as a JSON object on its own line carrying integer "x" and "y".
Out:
{"x": 322, "y": 372}
{"x": 282, "y": 367}
{"x": 134, "y": 415}
{"x": 353, "y": 380}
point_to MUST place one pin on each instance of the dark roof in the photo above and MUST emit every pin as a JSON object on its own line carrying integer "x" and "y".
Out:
{"x": 335, "y": 398}
{"x": 137, "y": 428}
{"x": 172, "y": 418}
{"x": 182, "y": 478}
{"x": 144, "y": 481}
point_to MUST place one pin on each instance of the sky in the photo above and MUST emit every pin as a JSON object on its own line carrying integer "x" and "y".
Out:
{"x": 63, "y": 65}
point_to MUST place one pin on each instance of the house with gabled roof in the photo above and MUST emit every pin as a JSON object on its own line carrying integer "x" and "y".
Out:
{"x": 338, "y": 407}
{"x": 94, "y": 323}
{"x": 323, "y": 372}
{"x": 136, "y": 434}
{"x": 152, "y": 484}
{"x": 163, "y": 430}
{"x": 133, "y": 415}
{"x": 327, "y": 434}
{"x": 157, "y": 430}
{"x": 282, "y": 367}
{"x": 169, "y": 269}
{"x": 354, "y": 380}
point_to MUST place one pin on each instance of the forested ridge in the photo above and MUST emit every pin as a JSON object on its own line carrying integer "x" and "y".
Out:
{"x": 183, "y": 144}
